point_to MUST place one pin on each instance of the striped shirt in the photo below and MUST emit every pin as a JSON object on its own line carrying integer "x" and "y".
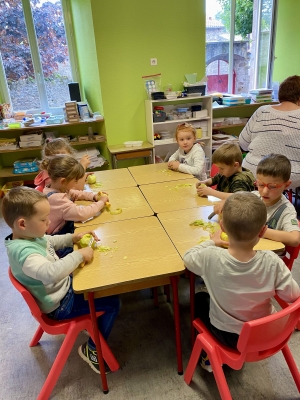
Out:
{"x": 272, "y": 131}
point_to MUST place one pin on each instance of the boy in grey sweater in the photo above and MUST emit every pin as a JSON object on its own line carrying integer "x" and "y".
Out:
{"x": 35, "y": 264}
{"x": 240, "y": 281}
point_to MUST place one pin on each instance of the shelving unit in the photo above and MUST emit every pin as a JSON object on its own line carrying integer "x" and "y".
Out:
{"x": 7, "y": 157}
{"x": 166, "y": 147}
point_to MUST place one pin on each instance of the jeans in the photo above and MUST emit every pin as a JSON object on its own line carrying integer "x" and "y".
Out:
{"x": 67, "y": 228}
{"x": 202, "y": 304}
{"x": 74, "y": 305}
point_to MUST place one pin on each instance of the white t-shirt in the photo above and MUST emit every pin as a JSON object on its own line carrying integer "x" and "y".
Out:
{"x": 240, "y": 291}
{"x": 191, "y": 163}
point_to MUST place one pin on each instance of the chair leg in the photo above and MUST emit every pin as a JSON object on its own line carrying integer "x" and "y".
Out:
{"x": 292, "y": 365}
{"x": 167, "y": 292}
{"x": 220, "y": 377}
{"x": 36, "y": 338}
{"x": 193, "y": 361}
{"x": 58, "y": 364}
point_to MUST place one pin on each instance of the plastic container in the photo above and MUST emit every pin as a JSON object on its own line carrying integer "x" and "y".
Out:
{"x": 57, "y": 119}
{"x": 200, "y": 89}
{"x": 133, "y": 143}
{"x": 14, "y": 125}
{"x": 9, "y": 185}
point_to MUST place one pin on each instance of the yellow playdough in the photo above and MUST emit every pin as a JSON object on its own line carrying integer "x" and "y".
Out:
{"x": 224, "y": 236}
{"x": 87, "y": 240}
{"x": 91, "y": 179}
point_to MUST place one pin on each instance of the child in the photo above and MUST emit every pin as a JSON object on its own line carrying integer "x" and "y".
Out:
{"x": 273, "y": 178}
{"x": 64, "y": 172}
{"x": 240, "y": 281}
{"x": 34, "y": 263}
{"x": 190, "y": 157}
{"x": 232, "y": 177}
{"x": 58, "y": 146}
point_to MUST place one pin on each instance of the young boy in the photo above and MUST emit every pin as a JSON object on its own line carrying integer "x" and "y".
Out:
{"x": 239, "y": 280}
{"x": 232, "y": 177}
{"x": 34, "y": 263}
{"x": 273, "y": 178}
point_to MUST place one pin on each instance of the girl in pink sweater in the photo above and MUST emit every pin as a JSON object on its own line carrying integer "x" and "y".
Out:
{"x": 53, "y": 148}
{"x": 65, "y": 172}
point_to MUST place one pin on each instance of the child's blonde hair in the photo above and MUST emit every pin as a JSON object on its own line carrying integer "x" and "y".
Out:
{"x": 63, "y": 166}
{"x": 57, "y": 146}
{"x": 228, "y": 154}
{"x": 186, "y": 127}
{"x": 244, "y": 215}
{"x": 20, "y": 202}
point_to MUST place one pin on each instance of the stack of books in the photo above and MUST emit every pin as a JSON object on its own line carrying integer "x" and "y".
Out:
{"x": 261, "y": 95}
{"x": 95, "y": 157}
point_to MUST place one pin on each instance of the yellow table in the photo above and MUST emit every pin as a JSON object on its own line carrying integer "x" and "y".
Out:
{"x": 112, "y": 179}
{"x": 130, "y": 200}
{"x": 134, "y": 265}
{"x": 185, "y": 236}
{"x": 153, "y": 173}
{"x": 175, "y": 195}
{"x": 121, "y": 152}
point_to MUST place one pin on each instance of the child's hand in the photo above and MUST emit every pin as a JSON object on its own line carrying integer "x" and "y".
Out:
{"x": 87, "y": 254}
{"x": 205, "y": 191}
{"x": 218, "y": 208}
{"x": 101, "y": 196}
{"x": 77, "y": 236}
{"x": 85, "y": 161}
{"x": 174, "y": 165}
{"x": 216, "y": 237}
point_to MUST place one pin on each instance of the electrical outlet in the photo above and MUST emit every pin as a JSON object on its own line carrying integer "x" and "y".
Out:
{"x": 153, "y": 61}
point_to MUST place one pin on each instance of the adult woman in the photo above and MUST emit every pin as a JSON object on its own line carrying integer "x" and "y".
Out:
{"x": 276, "y": 129}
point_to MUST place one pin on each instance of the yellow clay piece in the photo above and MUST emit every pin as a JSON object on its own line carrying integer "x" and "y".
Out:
{"x": 224, "y": 236}
{"x": 116, "y": 211}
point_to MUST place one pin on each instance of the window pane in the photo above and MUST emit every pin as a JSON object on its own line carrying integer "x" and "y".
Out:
{"x": 16, "y": 56}
{"x": 217, "y": 48}
{"x": 53, "y": 50}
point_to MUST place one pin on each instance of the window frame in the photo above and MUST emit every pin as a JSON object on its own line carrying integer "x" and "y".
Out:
{"x": 38, "y": 70}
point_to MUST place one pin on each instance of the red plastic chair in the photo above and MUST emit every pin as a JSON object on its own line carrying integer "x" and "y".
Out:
{"x": 71, "y": 328}
{"x": 259, "y": 339}
{"x": 39, "y": 188}
{"x": 214, "y": 171}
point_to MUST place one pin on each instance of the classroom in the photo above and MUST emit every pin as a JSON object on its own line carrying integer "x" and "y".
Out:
{"x": 150, "y": 211}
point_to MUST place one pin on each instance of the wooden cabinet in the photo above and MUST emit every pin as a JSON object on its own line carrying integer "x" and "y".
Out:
{"x": 8, "y": 157}
{"x": 166, "y": 147}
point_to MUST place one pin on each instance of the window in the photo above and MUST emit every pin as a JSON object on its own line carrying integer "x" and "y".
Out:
{"x": 36, "y": 57}
{"x": 239, "y": 44}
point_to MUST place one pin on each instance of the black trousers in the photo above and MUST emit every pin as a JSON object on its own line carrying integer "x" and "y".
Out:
{"x": 202, "y": 304}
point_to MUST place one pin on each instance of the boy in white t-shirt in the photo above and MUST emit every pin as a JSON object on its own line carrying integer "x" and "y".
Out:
{"x": 240, "y": 281}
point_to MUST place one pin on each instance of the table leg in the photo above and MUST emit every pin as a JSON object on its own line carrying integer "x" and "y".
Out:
{"x": 97, "y": 342}
{"x": 177, "y": 323}
{"x": 114, "y": 158}
{"x": 192, "y": 304}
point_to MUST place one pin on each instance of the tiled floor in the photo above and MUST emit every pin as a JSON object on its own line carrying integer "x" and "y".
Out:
{"x": 143, "y": 342}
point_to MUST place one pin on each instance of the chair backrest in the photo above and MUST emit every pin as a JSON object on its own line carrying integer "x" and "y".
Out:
{"x": 291, "y": 253}
{"x": 39, "y": 188}
{"x": 265, "y": 336}
{"x": 34, "y": 308}
{"x": 214, "y": 170}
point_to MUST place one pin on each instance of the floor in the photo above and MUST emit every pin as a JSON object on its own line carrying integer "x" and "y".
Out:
{"x": 143, "y": 342}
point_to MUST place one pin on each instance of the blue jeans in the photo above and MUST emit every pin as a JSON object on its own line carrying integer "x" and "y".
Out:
{"x": 74, "y": 305}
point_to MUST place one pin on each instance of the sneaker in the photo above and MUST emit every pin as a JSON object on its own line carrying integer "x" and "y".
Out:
{"x": 90, "y": 356}
{"x": 205, "y": 363}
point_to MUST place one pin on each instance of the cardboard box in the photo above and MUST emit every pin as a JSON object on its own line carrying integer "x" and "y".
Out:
{"x": 33, "y": 143}
{"x": 30, "y": 138}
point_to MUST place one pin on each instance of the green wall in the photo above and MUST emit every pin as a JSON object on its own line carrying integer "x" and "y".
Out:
{"x": 129, "y": 33}
{"x": 287, "y": 61}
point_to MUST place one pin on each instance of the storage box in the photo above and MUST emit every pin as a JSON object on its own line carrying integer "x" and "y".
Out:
{"x": 25, "y": 170}
{"x": 200, "y": 114}
{"x": 200, "y": 89}
{"x": 33, "y": 143}
{"x": 57, "y": 119}
{"x": 9, "y": 185}
{"x": 83, "y": 138}
{"x": 31, "y": 137}
{"x": 26, "y": 162}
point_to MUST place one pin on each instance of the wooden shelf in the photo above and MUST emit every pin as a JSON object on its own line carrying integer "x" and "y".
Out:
{"x": 178, "y": 121}
{"x": 245, "y": 105}
{"x": 77, "y": 143}
{"x": 42, "y": 126}
{"x": 227, "y": 126}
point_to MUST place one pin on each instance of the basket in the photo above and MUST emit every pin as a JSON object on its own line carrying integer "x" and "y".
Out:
{"x": 9, "y": 185}
{"x": 196, "y": 89}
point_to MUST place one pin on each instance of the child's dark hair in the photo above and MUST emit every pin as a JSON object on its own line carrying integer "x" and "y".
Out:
{"x": 244, "y": 215}
{"x": 63, "y": 166}
{"x": 20, "y": 202}
{"x": 228, "y": 154}
{"x": 275, "y": 165}
{"x": 289, "y": 89}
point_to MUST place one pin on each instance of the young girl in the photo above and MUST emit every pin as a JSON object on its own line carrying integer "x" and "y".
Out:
{"x": 190, "y": 157}
{"x": 58, "y": 146}
{"x": 65, "y": 171}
